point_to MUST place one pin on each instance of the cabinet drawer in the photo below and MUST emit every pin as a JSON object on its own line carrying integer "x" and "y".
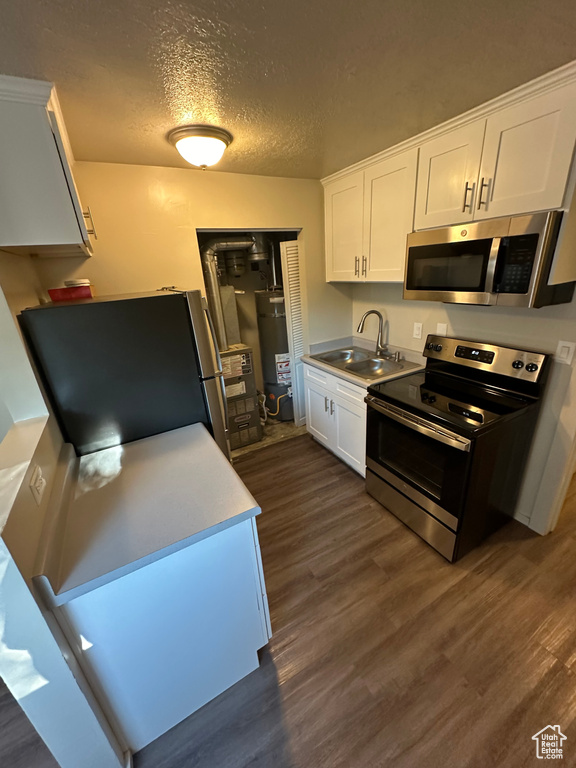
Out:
{"x": 317, "y": 376}
{"x": 350, "y": 392}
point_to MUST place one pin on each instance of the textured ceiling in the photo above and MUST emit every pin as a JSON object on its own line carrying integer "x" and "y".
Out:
{"x": 306, "y": 87}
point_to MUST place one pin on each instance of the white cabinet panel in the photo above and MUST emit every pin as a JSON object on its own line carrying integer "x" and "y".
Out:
{"x": 343, "y": 220}
{"x": 389, "y": 189}
{"x": 527, "y": 154}
{"x": 39, "y": 208}
{"x": 164, "y": 640}
{"x": 350, "y": 437}
{"x": 336, "y": 416}
{"x": 318, "y": 421}
{"x": 447, "y": 173}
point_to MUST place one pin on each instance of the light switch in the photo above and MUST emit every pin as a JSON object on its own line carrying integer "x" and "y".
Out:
{"x": 565, "y": 352}
{"x": 417, "y": 333}
{"x": 441, "y": 329}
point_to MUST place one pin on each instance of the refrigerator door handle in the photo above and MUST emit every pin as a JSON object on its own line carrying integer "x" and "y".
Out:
{"x": 219, "y": 374}
{"x": 214, "y": 342}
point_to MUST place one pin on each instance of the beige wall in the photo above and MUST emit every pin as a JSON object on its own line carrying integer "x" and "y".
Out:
{"x": 551, "y": 458}
{"x": 146, "y": 218}
{"x": 20, "y": 397}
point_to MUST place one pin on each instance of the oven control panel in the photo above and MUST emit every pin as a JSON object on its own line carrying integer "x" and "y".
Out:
{"x": 505, "y": 361}
{"x": 471, "y": 353}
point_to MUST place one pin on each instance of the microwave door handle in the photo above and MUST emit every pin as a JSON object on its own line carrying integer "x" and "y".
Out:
{"x": 492, "y": 262}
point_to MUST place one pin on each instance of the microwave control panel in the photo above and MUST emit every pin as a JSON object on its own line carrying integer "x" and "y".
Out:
{"x": 515, "y": 263}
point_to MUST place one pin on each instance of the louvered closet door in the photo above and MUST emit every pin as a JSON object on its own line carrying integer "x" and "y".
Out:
{"x": 294, "y": 321}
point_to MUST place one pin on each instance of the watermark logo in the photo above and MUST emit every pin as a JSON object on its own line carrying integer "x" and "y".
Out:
{"x": 549, "y": 743}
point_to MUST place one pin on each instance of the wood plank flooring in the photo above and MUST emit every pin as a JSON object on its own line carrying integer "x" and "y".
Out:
{"x": 20, "y": 745}
{"x": 383, "y": 653}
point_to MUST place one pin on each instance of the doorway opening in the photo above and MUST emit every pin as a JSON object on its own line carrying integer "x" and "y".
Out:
{"x": 253, "y": 288}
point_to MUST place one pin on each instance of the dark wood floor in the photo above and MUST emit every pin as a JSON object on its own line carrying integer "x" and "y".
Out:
{"x": 20, "y": 745}
{"x": 383, "y": 653}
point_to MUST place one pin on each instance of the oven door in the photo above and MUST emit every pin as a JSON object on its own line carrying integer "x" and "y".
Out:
{"x": 425, "y": 463}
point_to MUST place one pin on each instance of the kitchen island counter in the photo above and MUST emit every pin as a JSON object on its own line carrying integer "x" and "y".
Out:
{"x": 125, "y": 507}
{"x": 151, "y": 567}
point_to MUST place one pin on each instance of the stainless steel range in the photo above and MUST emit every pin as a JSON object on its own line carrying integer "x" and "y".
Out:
{"x": 446, "y": 447}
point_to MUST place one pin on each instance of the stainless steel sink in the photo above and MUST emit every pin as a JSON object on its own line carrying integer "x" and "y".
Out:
{"x": 374, "y": 367}
{"x": 362, "y": 363}
{"x": 341, "y": 357}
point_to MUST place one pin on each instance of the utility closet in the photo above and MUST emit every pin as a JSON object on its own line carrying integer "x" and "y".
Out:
{"x": 245, "y": 292}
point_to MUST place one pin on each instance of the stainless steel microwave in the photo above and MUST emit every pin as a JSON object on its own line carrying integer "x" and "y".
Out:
{"x": 497, "y": 261}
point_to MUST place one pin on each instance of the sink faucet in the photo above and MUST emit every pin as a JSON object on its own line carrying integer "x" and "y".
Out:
{"x": 381, "y": 348}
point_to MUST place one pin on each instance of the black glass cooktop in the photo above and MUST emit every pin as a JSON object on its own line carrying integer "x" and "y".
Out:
{"x": 445, "y": 399}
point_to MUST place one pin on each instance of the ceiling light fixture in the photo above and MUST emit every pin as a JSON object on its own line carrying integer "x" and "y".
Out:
{"x": 200, "y": 145}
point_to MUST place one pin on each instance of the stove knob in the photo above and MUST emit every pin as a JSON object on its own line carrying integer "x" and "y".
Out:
{"x": 431, "y": 399}
{"x": 430, "y": 345}
{"x": 518, "y": 364}
{"x": 438, "y": 348}
{"x": 531, "y": 367}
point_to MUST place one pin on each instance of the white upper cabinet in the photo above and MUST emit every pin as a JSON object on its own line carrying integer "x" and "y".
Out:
{"x": 389, "y": 188}
{"x": 447, "y": 177}
{"x": 507, "y": 157}
{"x": 343, "y": 207}
{"x": 39, "y": 207}
{"x": 527, "y": 153}
{"x": 514, "y": 161}
{"x": 368, "y": 215}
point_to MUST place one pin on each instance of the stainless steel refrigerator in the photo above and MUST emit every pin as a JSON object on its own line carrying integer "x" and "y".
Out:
{"x": 121, "y": 368}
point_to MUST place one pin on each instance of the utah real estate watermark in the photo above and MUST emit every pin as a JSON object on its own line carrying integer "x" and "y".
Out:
{"x": 549, "y": 743}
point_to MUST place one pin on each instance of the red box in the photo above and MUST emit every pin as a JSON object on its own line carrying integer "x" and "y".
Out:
{"x": 69, "y": 294}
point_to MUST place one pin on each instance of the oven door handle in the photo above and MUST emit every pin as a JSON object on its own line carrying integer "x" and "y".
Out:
{"x": 403, "y": 417}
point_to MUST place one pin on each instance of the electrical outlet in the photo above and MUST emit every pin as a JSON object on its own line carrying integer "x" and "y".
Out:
{"x": 417, "y": 333}
{"x": 565, "y": 352}
{"x": 37, "y": 484}
{"x": 441, "y": 329}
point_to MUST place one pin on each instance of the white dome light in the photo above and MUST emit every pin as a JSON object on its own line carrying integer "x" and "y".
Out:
{"x": 200, "y": 145}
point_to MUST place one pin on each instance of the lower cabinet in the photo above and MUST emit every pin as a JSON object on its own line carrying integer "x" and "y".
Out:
{"x": 159, "y": 643}
{"x": 336, "y": 416}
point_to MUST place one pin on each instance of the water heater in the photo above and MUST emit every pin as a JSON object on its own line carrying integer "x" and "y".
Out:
{"x": 276, "y": 371}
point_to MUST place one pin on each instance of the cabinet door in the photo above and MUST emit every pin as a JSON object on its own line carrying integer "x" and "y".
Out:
{"x": 162, "y": 641}
{"x": 389, "y": 190}
{"x": 527, "y": 154}
{"x": 343, "y": 205}
{"x": 35, "y": 203}
{"x": 318, "y": 420}
{"x": 350, "y": 433}
{"x": 447, "y": 177}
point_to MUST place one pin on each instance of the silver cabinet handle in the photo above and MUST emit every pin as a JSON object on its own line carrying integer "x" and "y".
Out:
{"x": 356, "y": 266}
{"x": 88, "y": 216}
{"x": 364, "y": 265}
{"x": 325, "y": 404}
{"x": 466, "y": 204}
{"x": 331, "y": 407}
{"x": 419, "y": 425}
{"x": 481, "y": 191}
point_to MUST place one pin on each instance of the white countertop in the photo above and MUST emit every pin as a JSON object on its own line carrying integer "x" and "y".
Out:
{"x": 128, "y": 506}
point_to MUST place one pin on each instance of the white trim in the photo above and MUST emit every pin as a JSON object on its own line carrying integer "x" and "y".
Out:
{"x": 24, "y": 90}
{"x": 558, "y": 78}
{"x": 54, "y": 106}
